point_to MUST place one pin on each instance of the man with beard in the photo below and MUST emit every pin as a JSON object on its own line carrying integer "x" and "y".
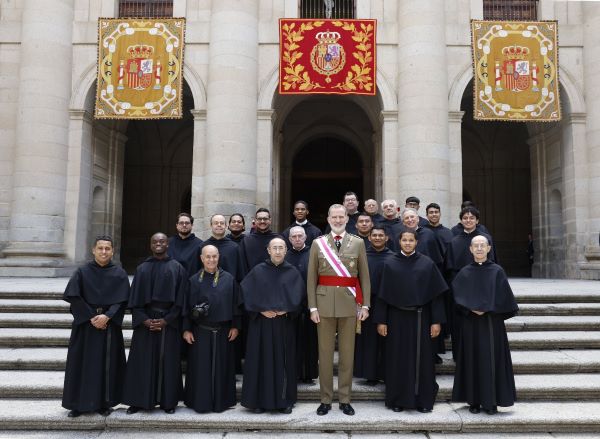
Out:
{"x": 372, "y": 208}
{"x": 307, "y": 348}
{"x": 229, "y": 256}
{"x": 484, "y": 375}
{"x": 211, "y": 321}
{"x": 364, "y": 224}
{"x": 184, "y": 247}
{"x": 368, "y": 352}
{"x": 272, "y": 295}
{"x": 253, "y": 248}
{"x": 409, "y": 311}
{"x": 98, "y": 294}
{"x": 156, "y": 300}
{"x": 339, "y": 293}
{"x": 301, "y": 215}
{"x": 236, "y": 227}
{"x": 350, "y": 203}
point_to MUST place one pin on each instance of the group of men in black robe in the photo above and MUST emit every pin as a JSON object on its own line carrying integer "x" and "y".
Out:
{"x": 208, "y": 292}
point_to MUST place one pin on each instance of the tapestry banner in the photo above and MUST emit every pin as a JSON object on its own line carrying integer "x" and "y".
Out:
{"x": 327, "y": 56}
{"x": 515, "y": 71}
{"x": 140, "y": 68}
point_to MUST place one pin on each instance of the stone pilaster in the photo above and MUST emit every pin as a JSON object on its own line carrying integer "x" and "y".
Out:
{"x": 423, "y": 151}
{"x": 591, "y": 79}
{"x": 232, "y": 93}
{"x": 40, "y": 168}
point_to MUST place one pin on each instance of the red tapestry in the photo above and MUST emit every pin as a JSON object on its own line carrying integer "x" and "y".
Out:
{"x": 327, "y": 56}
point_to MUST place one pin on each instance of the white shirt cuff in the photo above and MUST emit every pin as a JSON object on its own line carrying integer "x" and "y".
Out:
{"x": 313, "y": 309}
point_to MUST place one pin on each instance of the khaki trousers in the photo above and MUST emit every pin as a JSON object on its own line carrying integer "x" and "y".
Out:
{"x": 346, "y": 331}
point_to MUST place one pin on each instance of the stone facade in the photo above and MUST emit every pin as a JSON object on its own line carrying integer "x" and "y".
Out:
{"x": 65, "y": 176}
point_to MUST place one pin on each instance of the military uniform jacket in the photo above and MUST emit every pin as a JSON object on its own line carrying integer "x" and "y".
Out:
{"x": 338, "y": 301}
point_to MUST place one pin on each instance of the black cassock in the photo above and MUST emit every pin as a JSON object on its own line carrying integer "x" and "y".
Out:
{"x": 312, "y": 233}
{"x": 484, "y": 373}
{"x": 186, "y": 252}
{"x": 154, "y": 365}
{"x": 458, "y": 256}
{"x": 229, "y": 255}
{"x": 307, "y": 345}
{"x": 96, "y": 358}
{"x": 237, "y": 239}
{"x": 427, "y": 243}
{"x": 210, "y": 377}
{"x": 253, "y": 249}
{"x": 270, "y": 365}
{"x": 368, "y": 348}
{"x": 409, "y": 301}
{"x": 443, "y": 235}
{"x": 459, "y": 228}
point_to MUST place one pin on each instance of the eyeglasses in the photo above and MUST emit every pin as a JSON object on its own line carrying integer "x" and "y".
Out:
{"x": 262, "y": 219}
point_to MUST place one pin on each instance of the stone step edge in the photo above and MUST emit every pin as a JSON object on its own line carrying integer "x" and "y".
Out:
{"x": 370, "y": 417}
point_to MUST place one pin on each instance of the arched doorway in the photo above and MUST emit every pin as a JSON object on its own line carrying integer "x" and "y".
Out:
{"x": 325, "y": 146}
{"x": 320, "y": 183}
{"x": 497, "y": 178}
{"x": 156, "y": 180}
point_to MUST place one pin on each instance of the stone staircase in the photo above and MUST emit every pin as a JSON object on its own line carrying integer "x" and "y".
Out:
{"x": 555, "y": 343}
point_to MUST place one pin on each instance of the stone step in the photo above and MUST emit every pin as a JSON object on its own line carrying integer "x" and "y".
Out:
{"x": 43, "y": 337}
{"x": 524, "y": 362}
{"x": 49, "y": 384}
{"x": 371, "y": 417}
{"x": 515, "y": 324}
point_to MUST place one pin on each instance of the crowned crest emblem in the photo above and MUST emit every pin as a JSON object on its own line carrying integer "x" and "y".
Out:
{"x": 516, "y": 72}
{"x": 139, "y": 68}
{"x": 328, "y": 56}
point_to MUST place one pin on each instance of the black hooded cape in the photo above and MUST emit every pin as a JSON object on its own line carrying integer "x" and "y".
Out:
{"x": 96, "y": 358}
{"x": 186, "y": 252}
{"x": 229, "y": 255}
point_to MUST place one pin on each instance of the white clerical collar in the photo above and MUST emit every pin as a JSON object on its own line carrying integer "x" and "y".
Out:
{"x": 402, "y": 251}
{"x": 302, "y": 223}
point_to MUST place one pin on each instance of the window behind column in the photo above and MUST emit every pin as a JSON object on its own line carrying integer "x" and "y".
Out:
{"x": 513, "y": 10}
{"x": 145, "y": 8}
{"x": 316, "y": 9}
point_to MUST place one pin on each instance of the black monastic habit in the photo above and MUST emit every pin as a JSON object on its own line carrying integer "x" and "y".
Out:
{"x": 154, "y": 365}
{"x": 186, "y": 252}
{"x": 409, "y": 301}
{"x": 96, "y": 357}
{"x": 312, "y": 232}
{"x": 253, "y": 249}
{"x": 237, "y": 239}
{"x": 427, "y": 243}
{"x": 368, "y": 348}
{"x": 210, "y": 377}
{"x": 270, "y": 365}
{"x": 459, "y": 228}
{"x": 484, "y": 374}
{"x": 443, "y": 235}
{"x": 229, "y": 255}
{"x": 307, "y": 346}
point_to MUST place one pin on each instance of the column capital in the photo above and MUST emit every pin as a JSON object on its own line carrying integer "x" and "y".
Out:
{"x": 455, "y": 116}
{"x": 198, "y": 114}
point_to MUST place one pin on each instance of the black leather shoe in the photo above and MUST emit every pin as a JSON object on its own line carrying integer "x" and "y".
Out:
{"x": 474, "y": 409}
{"x": 74, "y": 414}
{"x": 346, "y": 409}
{"x": 492, "y": 411}
{"x": 170, "y": 411}
{"x": 133, "y": 409}
{"x": 286, "y": 411}
{"x": 423, "y": 410}
{"x": 397, "y": 409}
{"x": 323, "y": 409}
{"x": 258, "y": 411}
{"x": 105, "y": 411}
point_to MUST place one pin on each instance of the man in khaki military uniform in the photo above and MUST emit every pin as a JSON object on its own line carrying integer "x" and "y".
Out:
{"x": 332, "y": 305}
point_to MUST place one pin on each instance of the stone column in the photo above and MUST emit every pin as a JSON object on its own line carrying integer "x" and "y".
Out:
{"x": 197, "y": 211}
{"x": 40, "y": 173}
{"x": 231, "y": 114}
{"x": 591, "y": 79}
{"x": 423, "y": 151}
{"x": 450, "y": 212}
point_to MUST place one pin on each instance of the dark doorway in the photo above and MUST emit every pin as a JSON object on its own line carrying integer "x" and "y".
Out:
{"x": 157, "y": 181}
{"x": 323, "y": 170}
{"x": 497, "y": 178}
